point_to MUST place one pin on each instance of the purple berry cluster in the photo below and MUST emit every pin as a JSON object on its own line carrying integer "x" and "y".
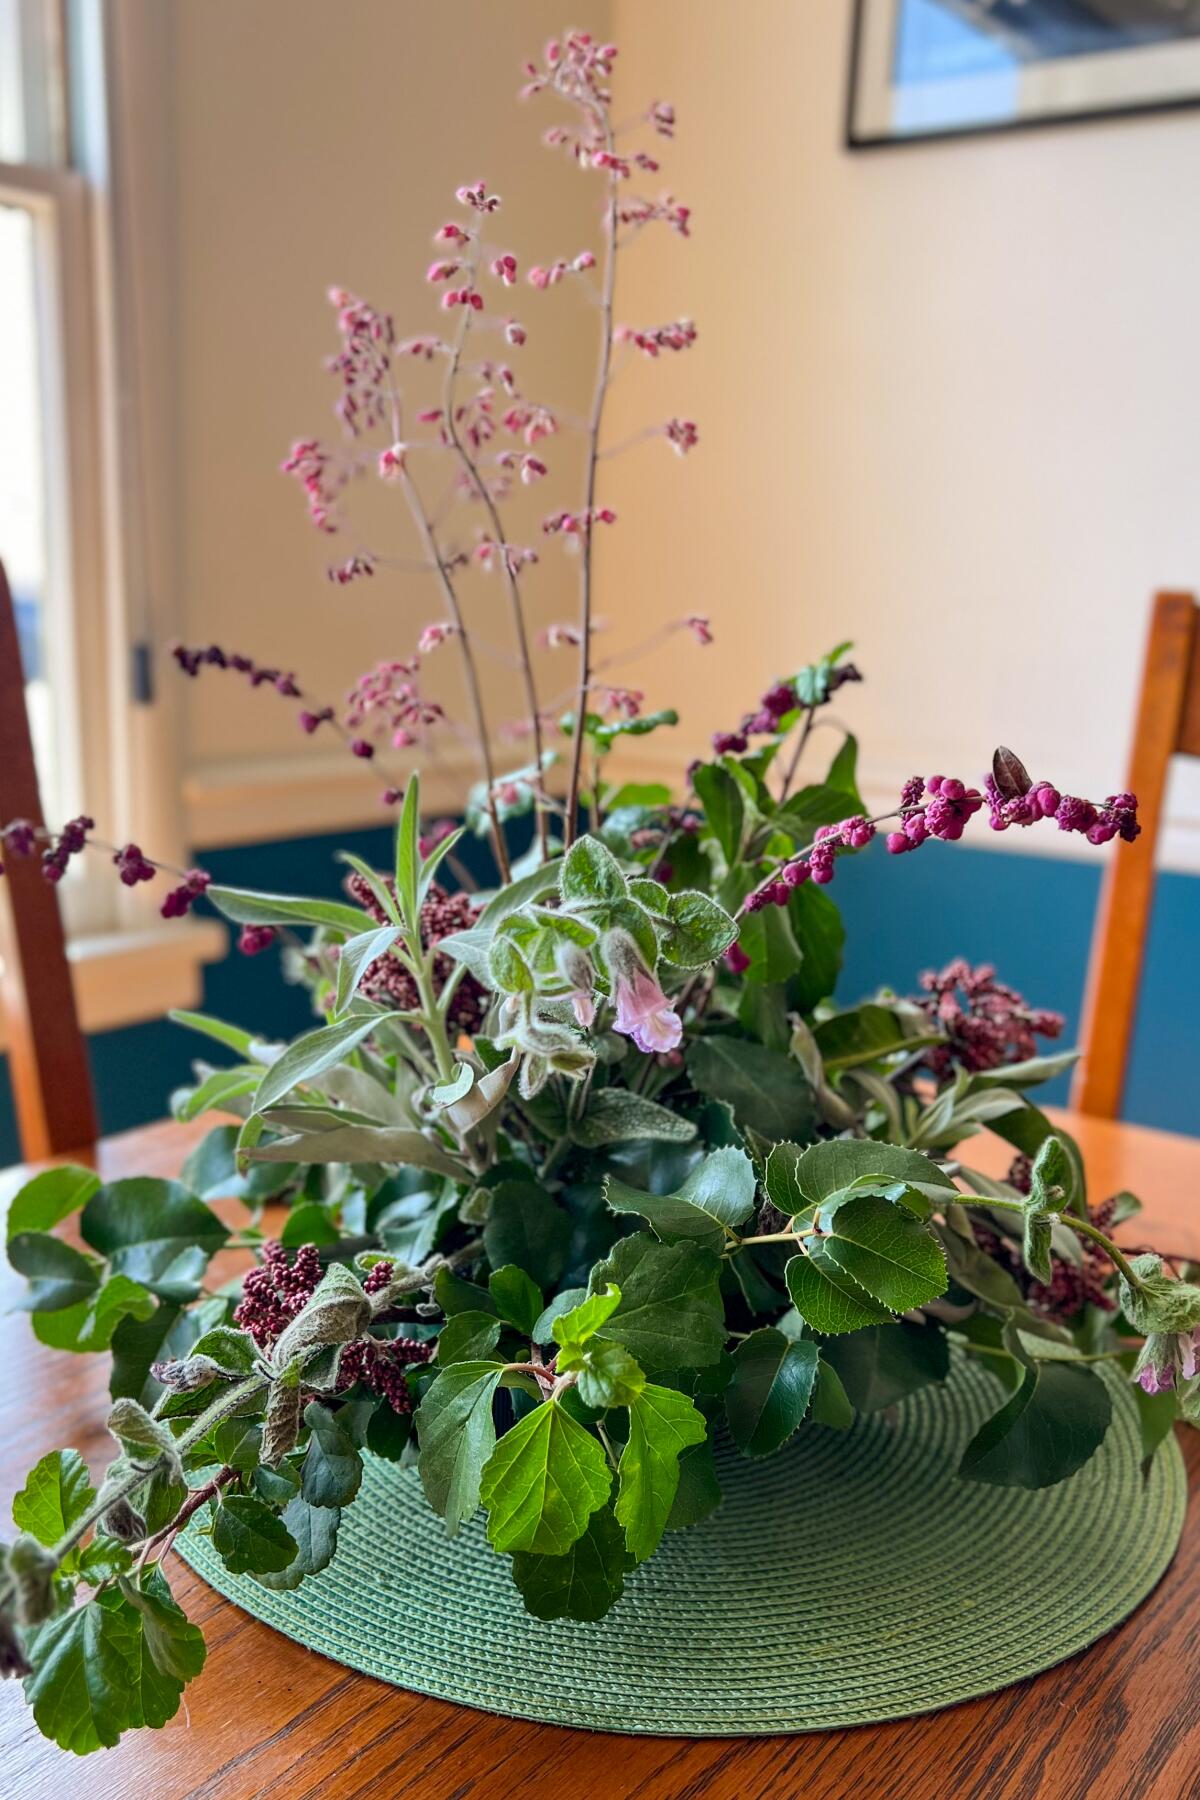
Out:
{"x": 275, "y": 1291}
{"x": 774, "y": 705}
{"x": 382, "y": 1365}
{"x": 71, "y": 841}
{"x": 1116, "y": 817}
{"x": 940, "y": 807}
{"x": 986, "y": 1023}
{"x": 389, "y": 982}
{"x": 255, "y": 939}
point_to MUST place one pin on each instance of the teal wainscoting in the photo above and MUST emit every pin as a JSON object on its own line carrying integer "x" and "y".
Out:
{"x": 1030, "y": 916}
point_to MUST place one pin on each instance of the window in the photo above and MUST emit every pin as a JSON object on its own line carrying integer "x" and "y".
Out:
{"x": 73, "y": 516}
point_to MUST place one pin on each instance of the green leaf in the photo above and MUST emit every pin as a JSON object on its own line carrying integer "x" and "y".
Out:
{"x": 154, "y": 1232}
{"x": 662, "y": 1424}
{"x": 979, "y": 1273}
{"x": 332, "y": 1469}
{"x": 454, "y": 1295}
{"x": 468, "y": 1337}
{"x": 447, "y": 1093}
{"x": 696, "y": 930}
{"x": 1049, "y": 1428}
{"x": 356, "y": 957}
{"x": 534, "y": 886}
{"x": 433, "y": 862}
{"x": 699, "y": 1492}
{"x": 247, "y": 908}
{"x": 767, "y": 938}
{"x": 716, "y": 1196}
{"x": 584, "y": 1582}
{"x": 582, "y": 1321}
{"x": 830, "y": 1402}
{"x": 671, "y": 1315}
{"x": 217, "y": 1092}
{"x": 830, "y": 1168}
{"x": 49, "y": 1198}
{"x": 57, "y": 1492}
{"x": 472, "y": 948}
{"x": 315, "y": 1530}
{"x": 767, "y": 1091}
{"x": 724, "y": 807}
{"x": 519, "y": 1299}
{"x": 772, "y": 1384}
{"x": 614, "y": 1115}
{"x": 1030, "y": 1073}
{"x": 59, "y": 1275}
{"x": 408, "y": 850}
{"x": 607, "y": 1374}
{"x": 232, "y": 1036}
{"x": 309, "y": 1223}
{"x": 175, "y": 1646}
{"x": 361, "y": 1144}
{"x": 250, "y": 1538}
{"x": 311, "y": 1055}
{"x": 90, "y": 1325}
{"x": 818, "y": 929}
{"x": 525, "y": 1226}
{"x": 457, "y": 1436}
{"x": 885, "y": 1363}
{"x": 864, "y": 1034}
{"x": 542, "y": 1483}
{"x": 891, "y": 1255}
{"x": 507, "y": 969}
{"x": 590, "y": 874}
{"x": 827, "y": 1299}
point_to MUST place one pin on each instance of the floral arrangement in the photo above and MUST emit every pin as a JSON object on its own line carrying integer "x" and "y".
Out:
{"x": 574, "y": 1176}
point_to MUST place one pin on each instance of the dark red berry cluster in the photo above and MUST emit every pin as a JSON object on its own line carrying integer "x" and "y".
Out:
{"x": 388, "y": 982}
{"x": 276, "y": 1291}
{"x": 382, "y": 1365}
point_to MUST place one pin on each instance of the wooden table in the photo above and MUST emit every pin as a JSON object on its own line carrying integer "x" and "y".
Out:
{"x": 268, "y": 1718}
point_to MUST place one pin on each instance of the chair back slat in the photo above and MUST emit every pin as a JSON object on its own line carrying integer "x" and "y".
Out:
{"x": 1168, "y": 723}
{"x": 47, "y": 1056}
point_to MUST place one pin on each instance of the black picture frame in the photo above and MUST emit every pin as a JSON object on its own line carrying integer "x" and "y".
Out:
{"x": 855, "y": 140}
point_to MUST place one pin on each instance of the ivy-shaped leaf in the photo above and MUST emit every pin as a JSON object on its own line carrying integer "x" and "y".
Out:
{"x": 457, "y": 1437}
{"x": 584, "y": 1582}
{"x": 542, "y": 1483}
{"x": 662, "y": 1425}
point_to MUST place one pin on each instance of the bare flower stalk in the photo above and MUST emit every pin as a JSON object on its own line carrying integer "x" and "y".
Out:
{"x": 516, "y": 603}
{"x": 593, "y": 457}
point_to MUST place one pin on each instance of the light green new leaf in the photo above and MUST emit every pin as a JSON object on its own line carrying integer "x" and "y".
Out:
{"x": 671, "y": 1315}
{"x": 584, "y": 1320}
{"x": 49, "y": 1198}
{"x": 1049, "y": 1428}
{"x": 457, "y": 1436}
{"x": 717, "y": 1195}
{"x": 542, "y": 1483}
{"x": 584, "y": 1582}
{"x": 247, "y": 908}
{"x": 57, "y": 1492}
{"x": 772, "y": 1385}
{"x": 662, "y": 1424}
{"x": 590, "y": 874}
{"x": 887, "y": 1252}
{"x": 356, "y": 957}
{"x": 311, "y": 1055}
{"x": 607, "y": 1374}
{"x": 408, "y": 849}
{"x": 827, "y": 1299}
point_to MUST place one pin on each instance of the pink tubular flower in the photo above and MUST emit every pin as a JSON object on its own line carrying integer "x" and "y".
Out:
{"x": 643, "y": 1011}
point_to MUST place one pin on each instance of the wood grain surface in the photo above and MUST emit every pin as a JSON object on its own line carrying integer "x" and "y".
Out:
{"x": 268, "y": 1718}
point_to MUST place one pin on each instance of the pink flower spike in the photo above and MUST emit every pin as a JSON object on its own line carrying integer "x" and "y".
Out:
{"x": 539, "y": 277}
{"x": 585, "y": 260}
{"x": 450, "y": 234}
{"x": 504, "y": 268}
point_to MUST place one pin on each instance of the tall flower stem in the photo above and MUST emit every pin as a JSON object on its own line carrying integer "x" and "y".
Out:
{"x": 474, "y": 692}
{"x": 515, "y": 601}
{"x": 589, "y": 499}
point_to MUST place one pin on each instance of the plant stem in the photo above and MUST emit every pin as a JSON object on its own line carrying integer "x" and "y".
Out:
{"x": 516, "y": 604}
{"x": 797, "y": 753}
{"x": 1081, "y": 1227}
{"x": 593, "y": 455}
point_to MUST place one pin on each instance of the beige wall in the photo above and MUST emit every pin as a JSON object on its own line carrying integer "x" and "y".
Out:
{"x": 322, "y": 144}
{"x": 946, "y": 394}
{"x": 947, "y": 398}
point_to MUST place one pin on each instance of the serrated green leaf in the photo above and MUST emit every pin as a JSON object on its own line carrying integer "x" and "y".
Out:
{"x": 717, "y": 1195}
{"x": 1049, "y": 1428}
{"x": 585, "y": 1319}
{"x": 155, "y": 1233}
{"x": 830, "y": 1402}
{"x": 768, "y": 1092}
{"x": 670, "y": 1315}
{"x": 57, "y": 1492}
{"x": 526, "y": 1227}
{"x": 59, "y": 1276}
{"x": 699, "y": 1491}
{"x": 834, "y": 1166}
{"x": 826, "y": 1297}
{"x": 607, "y": 1375}
{"x": 662, "y": 1424}
{"x": 249, "y": 1538}
{"x": 890, "y": 1254}
{"x": 542, "y": 1483}
{"x": 457, "y": 1436}
{"x": 584, "y": 1582}
{"x": 590, "y": 874}
{"x": 724, "y": 806}
{"x": 772, "y": 1385}
{"x": 696, "y": 930}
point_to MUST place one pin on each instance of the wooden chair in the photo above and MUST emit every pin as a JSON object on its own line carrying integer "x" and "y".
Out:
{"x": 1168, "y": 724}
{"x": 47, "y": 1057}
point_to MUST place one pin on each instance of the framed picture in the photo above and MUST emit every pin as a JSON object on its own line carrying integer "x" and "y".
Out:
{"x": 922, "y": 69}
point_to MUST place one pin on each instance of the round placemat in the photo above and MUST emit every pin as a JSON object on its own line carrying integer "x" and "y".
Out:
{"x": 851, "y": 1578}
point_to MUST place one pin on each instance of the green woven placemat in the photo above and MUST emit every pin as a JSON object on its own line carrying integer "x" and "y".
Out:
{"x": 851, "y": 1578}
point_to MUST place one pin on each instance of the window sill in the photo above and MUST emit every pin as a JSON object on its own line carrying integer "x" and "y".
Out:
{"x": 127, "y": 977}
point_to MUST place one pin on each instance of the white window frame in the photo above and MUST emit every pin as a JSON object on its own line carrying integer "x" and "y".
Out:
{"x": 110, "y": 567}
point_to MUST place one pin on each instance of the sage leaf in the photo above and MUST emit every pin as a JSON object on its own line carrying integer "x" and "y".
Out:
{"x": 457, "y": 1436}
{"x": 614, "y": 1115}
{"x": 312, "y": 1054}
{"x": 355, "y": 958}
{"x": 542, "y": 1482}
{"x": 360, "y": 1144}
{"x": 662, "y": 1424}
{"x": 247, "y": 908}
{"x": 772, "y": 1385}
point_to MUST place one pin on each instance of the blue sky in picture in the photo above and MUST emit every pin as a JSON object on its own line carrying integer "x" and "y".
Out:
{"x": 1030, "y": 916}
